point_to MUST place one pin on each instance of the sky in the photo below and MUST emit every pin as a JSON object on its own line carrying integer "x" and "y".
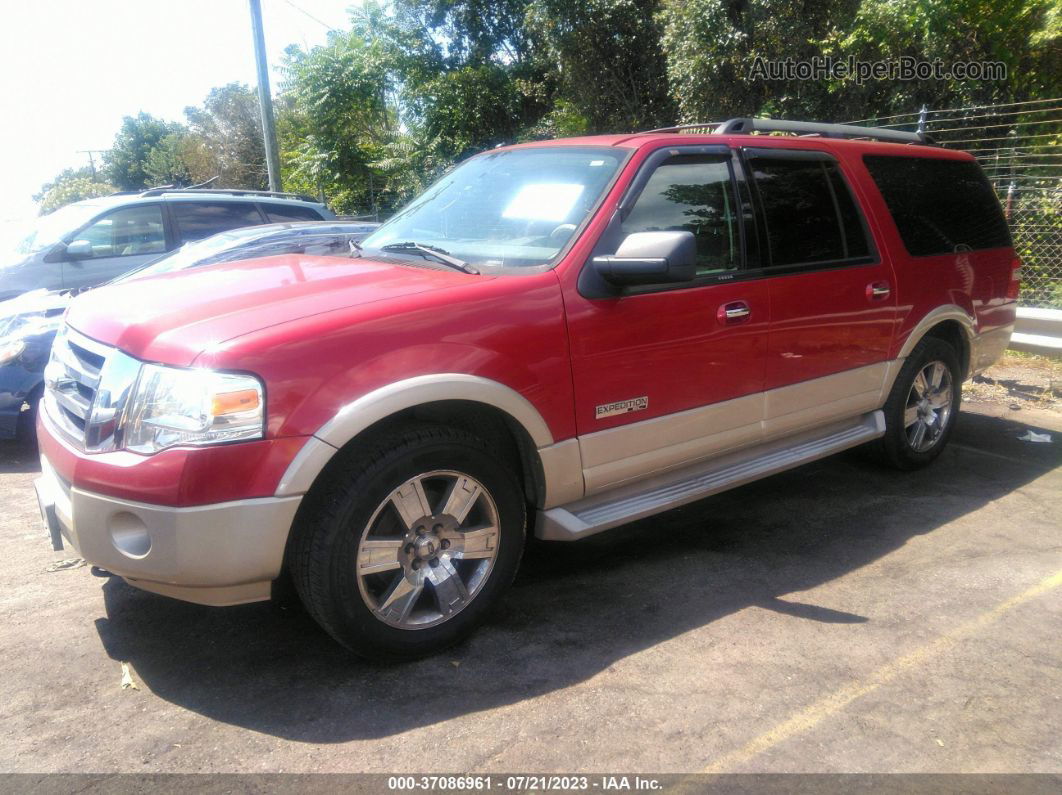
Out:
{"x": 71, "y": 69}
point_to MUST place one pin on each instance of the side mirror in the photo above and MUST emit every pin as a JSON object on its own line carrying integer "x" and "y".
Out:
{"x": 79, "y": 249}
{"x": 650, "y": 258}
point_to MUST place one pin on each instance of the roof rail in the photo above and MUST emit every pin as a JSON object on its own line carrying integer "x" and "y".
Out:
{"x": 706, "y": 125}
{"x": 739, "y": 126}
{"x": 230, "y": 192}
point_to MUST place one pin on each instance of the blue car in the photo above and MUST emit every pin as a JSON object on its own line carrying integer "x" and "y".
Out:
{"x": 28, "y": 323}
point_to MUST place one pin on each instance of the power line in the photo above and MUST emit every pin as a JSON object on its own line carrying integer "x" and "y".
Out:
{"x": 306, "y": 13}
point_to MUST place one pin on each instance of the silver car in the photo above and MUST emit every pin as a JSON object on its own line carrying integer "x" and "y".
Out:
{"x": 93, "y": 241}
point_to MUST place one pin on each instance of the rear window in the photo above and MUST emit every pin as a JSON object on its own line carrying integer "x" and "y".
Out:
{"x": 810, "y": 214}
{"x": 196, "y": 220}
{"x": 278, "y": 213}
{"x": 939, "y": 205}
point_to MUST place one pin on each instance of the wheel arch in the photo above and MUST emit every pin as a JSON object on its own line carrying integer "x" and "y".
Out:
{"x": 949, "y": 323}
{"x": 502, "y": 416}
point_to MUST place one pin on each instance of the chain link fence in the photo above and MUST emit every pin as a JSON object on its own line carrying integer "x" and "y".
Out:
{"x": 1019, "y": 145}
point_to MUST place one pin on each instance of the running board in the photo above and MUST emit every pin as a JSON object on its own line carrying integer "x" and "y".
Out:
{"x": 652, "y": 495}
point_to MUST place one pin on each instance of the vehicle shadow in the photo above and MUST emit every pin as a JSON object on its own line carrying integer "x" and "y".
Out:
{"x": 18, "y": 457}
{"x": 575, "y": 608}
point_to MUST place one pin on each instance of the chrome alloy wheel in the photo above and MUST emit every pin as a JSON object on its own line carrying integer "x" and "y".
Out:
{"x": 928, "y": 406}
{"x": 428, "y": 549}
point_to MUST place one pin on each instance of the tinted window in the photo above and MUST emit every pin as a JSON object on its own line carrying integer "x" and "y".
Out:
{"x": 126, "y": 232}
{"x": 939, "y": 204}
{"x": 279, "y": 213}
{"x": 809, "y": 211}
{"x": 691, "y": 193}
{"x": 196, "y": 220}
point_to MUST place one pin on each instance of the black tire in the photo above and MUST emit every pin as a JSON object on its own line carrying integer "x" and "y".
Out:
{"x": 329, "y": 531}
{"x": 895, "y": 447}
{"x": 26, "y": 427}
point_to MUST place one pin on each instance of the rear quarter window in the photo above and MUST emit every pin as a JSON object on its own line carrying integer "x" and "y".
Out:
{"x": 278, "y": 213}
{"x": 939, "y": 206}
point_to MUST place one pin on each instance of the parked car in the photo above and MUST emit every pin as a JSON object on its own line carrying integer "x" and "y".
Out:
{"x": 28, "y": 323}
{"x": 93, "y": 241}
{"x": 556, "y": 337}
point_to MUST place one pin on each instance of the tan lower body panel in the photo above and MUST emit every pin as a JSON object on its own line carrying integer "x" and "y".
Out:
{"x": 620, "y": 455}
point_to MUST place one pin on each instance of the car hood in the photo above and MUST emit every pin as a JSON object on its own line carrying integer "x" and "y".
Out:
{"x": 172, "y": 318}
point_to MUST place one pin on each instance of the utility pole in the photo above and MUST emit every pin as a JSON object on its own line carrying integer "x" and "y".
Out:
{"x": 265, "y": 100}
{"x": 92, "y": 161}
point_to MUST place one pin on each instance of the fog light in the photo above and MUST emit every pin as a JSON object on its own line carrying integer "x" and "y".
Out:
{"x": 129, "y": 535}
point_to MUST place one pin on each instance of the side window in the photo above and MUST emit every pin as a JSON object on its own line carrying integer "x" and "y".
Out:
{"x": 125, "y": 232}
{"x": 196, "y": 220}
{"x": 809, "y": 211}
{"x": 279, "y": 213}
{"x": 692, "y": 193}
{"x": 939, "y": 204}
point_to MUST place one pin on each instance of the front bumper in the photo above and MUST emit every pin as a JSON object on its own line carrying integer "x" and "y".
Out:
{"x": 220, "y": 554}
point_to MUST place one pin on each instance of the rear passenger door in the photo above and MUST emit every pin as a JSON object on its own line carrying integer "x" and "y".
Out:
{"x": 832, "y": 295}
{"x": 195, "y": 220}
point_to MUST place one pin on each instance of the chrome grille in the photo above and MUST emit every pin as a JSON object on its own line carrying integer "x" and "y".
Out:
{"x": 72, "y": 378}
{"x": 87, "y": 385}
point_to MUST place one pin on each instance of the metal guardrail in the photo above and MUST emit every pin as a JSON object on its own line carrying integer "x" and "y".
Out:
{"x": 1038, "y": 331}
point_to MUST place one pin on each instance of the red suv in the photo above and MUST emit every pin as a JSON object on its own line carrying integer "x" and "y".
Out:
{"x": 556, "y": 338}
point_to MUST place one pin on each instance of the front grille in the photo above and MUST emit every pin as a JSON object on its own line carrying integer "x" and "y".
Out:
{"x": 72, "y": 379}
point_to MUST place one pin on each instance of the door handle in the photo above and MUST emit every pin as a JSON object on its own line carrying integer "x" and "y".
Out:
{"x": 878, "y": 291}
{"x": 734, "y": 312}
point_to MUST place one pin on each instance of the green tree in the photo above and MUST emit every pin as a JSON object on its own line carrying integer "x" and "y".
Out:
{"x": 69, "y": 186}
{"x": 1024, "y": 35}
{"x": 166, "y": 164}
{"x": 228, "y": 127}
{"x": 339, "y": 112}
{"x": 607, "y": 62}
{"x": 711, "y": 46}
{"x": 125, "y": 163}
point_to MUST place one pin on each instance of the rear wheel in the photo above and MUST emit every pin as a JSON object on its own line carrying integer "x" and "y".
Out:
{"x": 411, "y": 542}
{"x": 923, "y": 405}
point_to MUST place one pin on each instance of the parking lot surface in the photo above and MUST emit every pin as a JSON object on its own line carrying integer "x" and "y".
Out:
{"x": 839, "y": 617}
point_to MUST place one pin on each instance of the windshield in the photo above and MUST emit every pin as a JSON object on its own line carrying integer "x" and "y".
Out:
{"x": 515, "y": 207}
{"x": 49, "y": 229}
{"x": 191, "y": 254}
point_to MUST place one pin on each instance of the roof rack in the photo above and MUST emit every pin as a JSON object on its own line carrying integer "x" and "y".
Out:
{"x": 230, "y": 192}
{"x": 739, "y": 126}
{"x": 706, "y": 125}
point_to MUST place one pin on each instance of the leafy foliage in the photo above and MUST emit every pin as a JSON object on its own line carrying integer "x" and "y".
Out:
{"x": 607, "y": 61}
{"x": 228, "y": 130}
{"x": 71, "y": 185}
{"x": 125, "y": 163}
{"x": 413, "y": 86}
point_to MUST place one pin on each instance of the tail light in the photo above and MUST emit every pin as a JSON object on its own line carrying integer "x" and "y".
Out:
{"x": 1015, "y": 278}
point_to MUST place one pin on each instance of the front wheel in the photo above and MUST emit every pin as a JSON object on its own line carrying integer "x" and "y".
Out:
{"x": 411, "y": 544}
{"x": 922, "y": 408}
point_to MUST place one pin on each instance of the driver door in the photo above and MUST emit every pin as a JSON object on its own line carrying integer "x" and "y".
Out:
{"x": 667, "y": 375}
{"x": 119, "y": 241}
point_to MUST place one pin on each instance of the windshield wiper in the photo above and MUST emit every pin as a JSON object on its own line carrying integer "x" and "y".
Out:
{"x": 441, "y": 255}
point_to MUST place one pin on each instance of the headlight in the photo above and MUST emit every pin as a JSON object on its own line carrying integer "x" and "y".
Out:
{"x": 171, "y": 407}
{"x": 10, "y": 348}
